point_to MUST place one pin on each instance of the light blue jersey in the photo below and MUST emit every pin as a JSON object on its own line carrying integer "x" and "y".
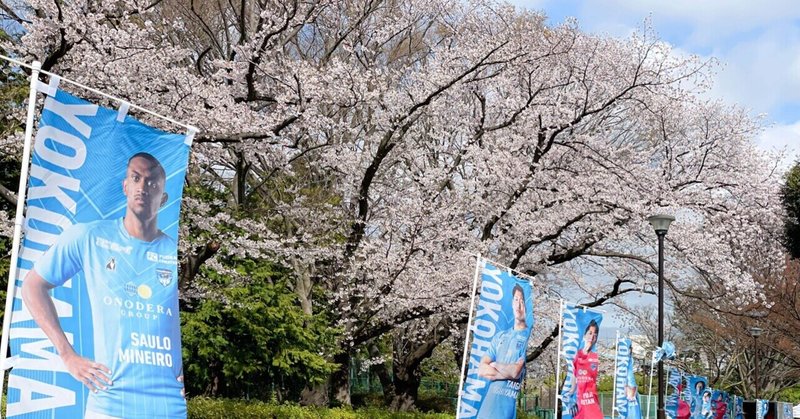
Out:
{"x": 508, "y": 347}
{"x": 133, "y": 290}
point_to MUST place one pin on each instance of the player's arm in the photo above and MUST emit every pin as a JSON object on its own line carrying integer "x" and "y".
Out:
{"x": 486, "y": 368}
{"x": 509, "y": 371}
{"x": 35, "y": 294}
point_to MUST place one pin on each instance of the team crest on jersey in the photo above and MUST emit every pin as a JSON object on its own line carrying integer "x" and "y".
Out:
{"x": 164, "y": 276}
{"x": 111, "y": 264}
{"x": 520, "y": 344}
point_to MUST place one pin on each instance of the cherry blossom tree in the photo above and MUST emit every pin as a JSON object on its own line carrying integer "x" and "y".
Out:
{"x": 726, "y": 350}
{"x": 372, "y": 146}
{"x": 717, "y": 325}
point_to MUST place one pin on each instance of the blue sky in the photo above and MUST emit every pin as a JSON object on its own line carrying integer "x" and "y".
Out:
{"x": 757, "y": 43}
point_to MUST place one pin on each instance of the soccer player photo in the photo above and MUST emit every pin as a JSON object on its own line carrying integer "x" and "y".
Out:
{"x": 579, "y": 335}
{"x": 503, "y": 323}
{"x": 104, "y": 289}
{"x": 504, "y": 363}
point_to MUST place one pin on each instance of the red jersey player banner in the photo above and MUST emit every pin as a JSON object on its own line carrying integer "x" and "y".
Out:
{"x": 503, "y": 323}
{"x": 579, "y": 332}
{"x": 719, "y": 404}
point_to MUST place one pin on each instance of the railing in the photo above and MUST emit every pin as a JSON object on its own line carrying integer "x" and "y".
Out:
{"x": 535, "y": 403}
{"x": 532, "y": 404}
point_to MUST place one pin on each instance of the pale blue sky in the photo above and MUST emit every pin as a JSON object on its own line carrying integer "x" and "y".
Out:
{"x": 757, "y": 43}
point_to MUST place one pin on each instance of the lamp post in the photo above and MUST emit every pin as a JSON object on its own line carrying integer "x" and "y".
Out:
{"x": 755, "y": 332}
{"x": 660, "y": 223}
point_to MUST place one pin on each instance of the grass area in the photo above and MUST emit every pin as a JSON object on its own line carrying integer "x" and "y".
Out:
{"x": 205, "y": 408}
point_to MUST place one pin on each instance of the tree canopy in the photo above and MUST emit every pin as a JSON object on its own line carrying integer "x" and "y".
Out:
{"x": 371, "y": 146}
{"x": 790, "y": 194}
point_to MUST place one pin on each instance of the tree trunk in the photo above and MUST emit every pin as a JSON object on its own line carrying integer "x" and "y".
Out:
{"x": 407, "y": 359}
{"x": 315, "y": 395}
{"x": 383, "y": 375}
{"x": 240, "y": 181}
{"x": 213, "y": 387}
{"x": 340, "y": 380}
{"x": 312, "y": 395}
{"x": 406, "y": 387}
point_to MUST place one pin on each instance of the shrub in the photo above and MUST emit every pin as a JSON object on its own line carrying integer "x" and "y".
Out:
{"x": 206, "y": 408}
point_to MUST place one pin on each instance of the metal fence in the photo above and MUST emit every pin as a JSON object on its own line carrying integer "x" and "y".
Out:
{"x": 363, "y": 385}
{"x": 537, "y": 402}
{"x": 543, "y": 406}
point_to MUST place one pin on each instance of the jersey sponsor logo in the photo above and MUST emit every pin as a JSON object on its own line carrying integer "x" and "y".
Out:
{"x": 130, "y": 289}
{"x": 144, "y": 291}
{"x": 138, "y": 309}
{"x": 113, "y": 246}
{"x": 159, "y": 258}
{"x": 111, "y": 264}
{"x": 164, "y": 276}
{"x": 168, "y": 259}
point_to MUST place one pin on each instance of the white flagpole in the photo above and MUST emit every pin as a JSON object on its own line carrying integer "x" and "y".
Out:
{"x": 650, "y": 387}
{"x": 584, "y": 307}
{"x": 466, "y": 339}
{"x": 23, "y": 184}
{"x": 614, "y": 393}
{"x": 558, "y": 356}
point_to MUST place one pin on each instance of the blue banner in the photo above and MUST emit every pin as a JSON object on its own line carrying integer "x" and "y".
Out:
{"x": 579, "y": 334}
{"x": 625, "y": 388}
{"x": 762, "y": 406}
{"x": 738, "y": 407}
{"x": 697, "y": 387}
{"x": 503, "y": 323}
{"x": 100, "y": 233}
{"x": 786, "y": 409}
{"x": 674, "y": 381}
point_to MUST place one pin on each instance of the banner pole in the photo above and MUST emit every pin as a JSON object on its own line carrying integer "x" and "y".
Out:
{"x": 466, "y": 339}
{"x": 650, "y": 387}
{"x": 512, "y": 271}
{"x": 585, "y": 307}
{"x": 614, "y": 393}
{"x": 97, "y": 92}
{"x": 23, "y": 184}
{"x": 558, "y": 356}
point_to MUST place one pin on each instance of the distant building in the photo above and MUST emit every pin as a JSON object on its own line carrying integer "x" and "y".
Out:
{"x": 642, "y": 347}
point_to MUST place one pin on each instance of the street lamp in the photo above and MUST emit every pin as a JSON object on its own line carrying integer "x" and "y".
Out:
{"x": 660, "y": 223}
{"x": 755, "y": 332}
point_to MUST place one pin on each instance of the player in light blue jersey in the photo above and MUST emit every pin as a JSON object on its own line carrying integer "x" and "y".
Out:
{"x": 504, "y": 364}
{"x": 130, "y": 270}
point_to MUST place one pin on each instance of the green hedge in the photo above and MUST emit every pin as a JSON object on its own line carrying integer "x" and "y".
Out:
{"x": 204, "y": 408}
